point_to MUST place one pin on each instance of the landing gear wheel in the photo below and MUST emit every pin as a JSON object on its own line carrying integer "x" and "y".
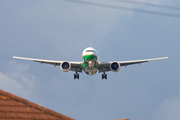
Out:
{"x": 104, "y": 76}
{"x": 76, "y": 76}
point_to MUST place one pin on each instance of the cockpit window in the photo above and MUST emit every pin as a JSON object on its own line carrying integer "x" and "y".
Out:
{"x": 89, "y": 50}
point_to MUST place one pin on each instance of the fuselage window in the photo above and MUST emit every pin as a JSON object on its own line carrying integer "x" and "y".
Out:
{"x": 90, "y": 51}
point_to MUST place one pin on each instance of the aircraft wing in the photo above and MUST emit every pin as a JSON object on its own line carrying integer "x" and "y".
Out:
{"x": 75, "y": 66}
{"x": 125, "y": 63}
{"x": 106, "y": 66}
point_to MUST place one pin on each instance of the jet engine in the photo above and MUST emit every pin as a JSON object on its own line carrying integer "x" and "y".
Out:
{"x": 65, "y": 66}
{"x": 115, "y": 67}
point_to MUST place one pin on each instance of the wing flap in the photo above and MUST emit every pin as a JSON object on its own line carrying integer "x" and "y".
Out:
{"x": 131, "y": 63}
{"x": 49, "y": 62}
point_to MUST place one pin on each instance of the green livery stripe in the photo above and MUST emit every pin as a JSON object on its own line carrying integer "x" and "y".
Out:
{"x": 90, "y": 57}
{"x": 85, "y": 66}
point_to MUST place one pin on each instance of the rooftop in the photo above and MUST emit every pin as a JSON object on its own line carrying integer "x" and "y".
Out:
{"x": 13, "y": 108}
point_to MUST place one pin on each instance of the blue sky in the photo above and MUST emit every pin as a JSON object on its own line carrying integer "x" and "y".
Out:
{"x": 59, "y": 30}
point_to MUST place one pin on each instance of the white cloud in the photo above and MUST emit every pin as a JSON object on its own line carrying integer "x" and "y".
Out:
{"x": 169, "y": 109}
{"x": 10, "y": 85}
{"x": 17, "y": 81}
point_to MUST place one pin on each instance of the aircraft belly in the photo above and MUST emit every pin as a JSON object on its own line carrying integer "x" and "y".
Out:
{"x": 90, "y": 71}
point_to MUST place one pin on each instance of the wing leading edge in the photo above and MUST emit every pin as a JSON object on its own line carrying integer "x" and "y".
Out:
{"x": 125, "y": 63}
{"x": 75, "y": 66}
{"x": 103, "y": 67}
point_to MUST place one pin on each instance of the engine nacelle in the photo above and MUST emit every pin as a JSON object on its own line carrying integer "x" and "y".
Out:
{"x": 115, "y": 67}
{"x": 65, "y": 66}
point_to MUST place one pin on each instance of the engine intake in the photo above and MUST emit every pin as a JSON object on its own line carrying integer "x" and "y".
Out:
{"x": 115, "y": 67}
{"x": 65, "y": 66}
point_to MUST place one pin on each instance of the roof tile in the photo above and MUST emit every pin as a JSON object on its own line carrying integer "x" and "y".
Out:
{"x": 15, "y": 108}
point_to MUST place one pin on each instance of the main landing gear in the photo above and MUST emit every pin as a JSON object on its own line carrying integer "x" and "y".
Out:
{"x": 76, "y": 76}
{"x": 104, "y": 76}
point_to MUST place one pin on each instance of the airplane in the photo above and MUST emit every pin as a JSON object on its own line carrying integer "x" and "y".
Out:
{"x": 90, "y": 63}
